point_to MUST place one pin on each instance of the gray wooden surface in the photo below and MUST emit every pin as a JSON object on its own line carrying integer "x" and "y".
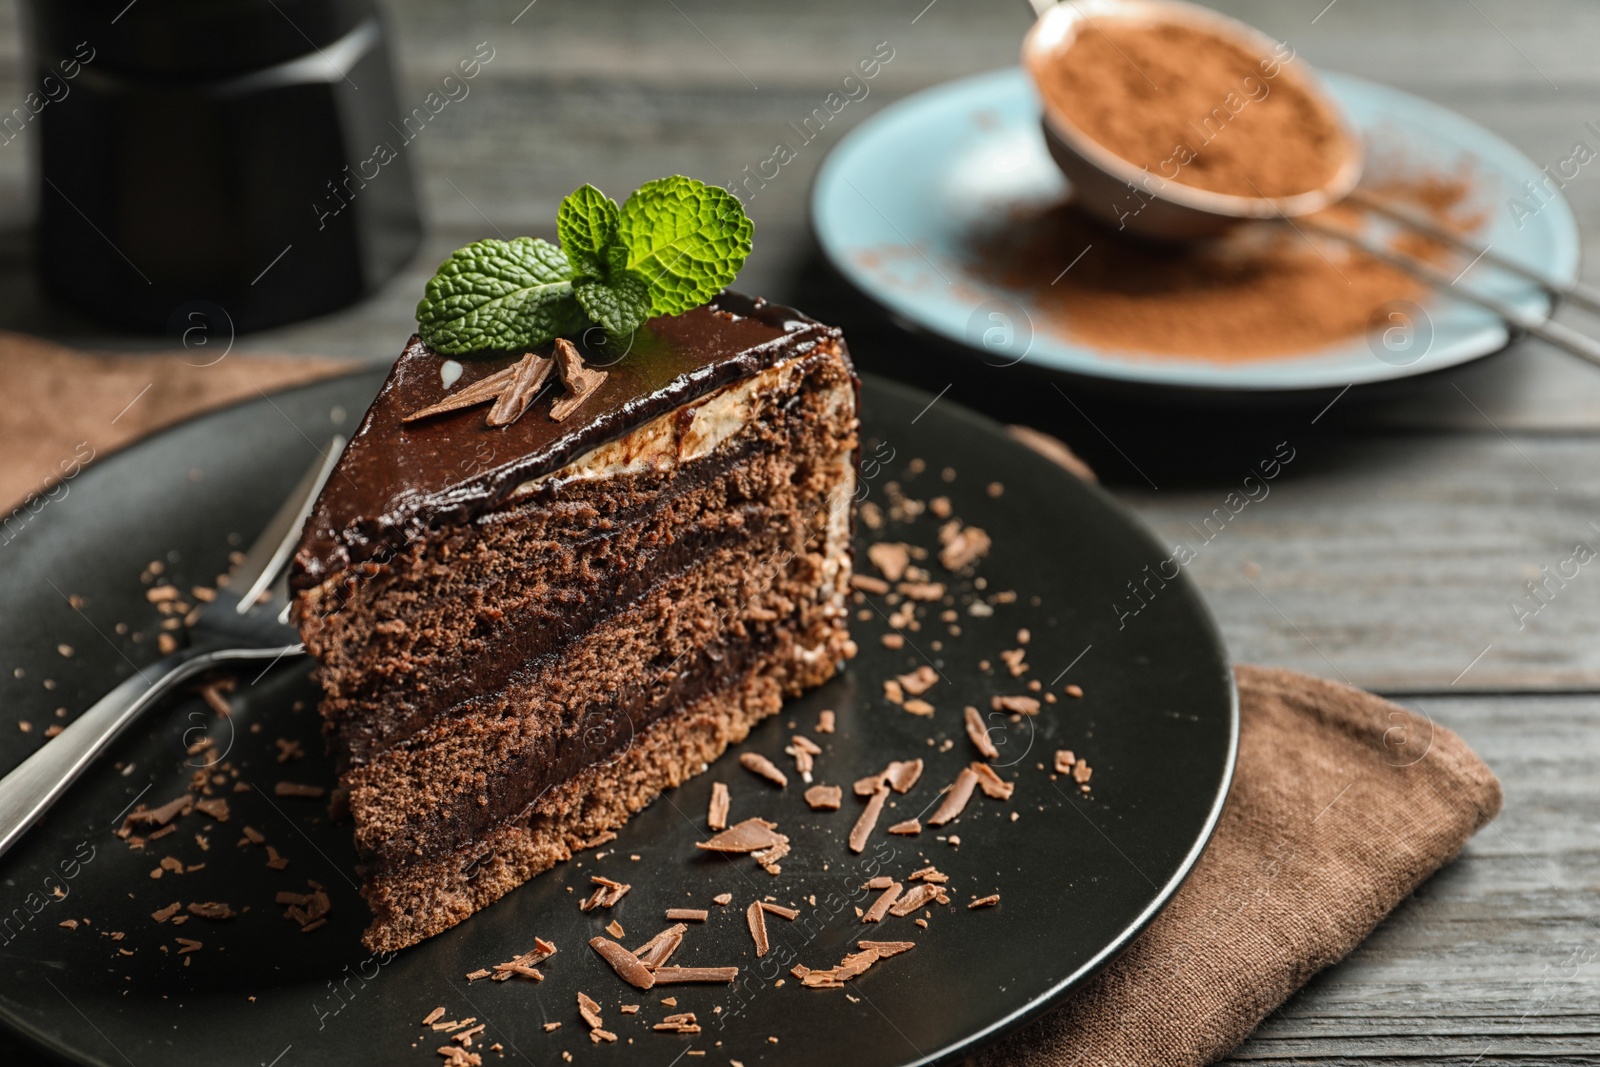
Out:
{"x": 1388, "y": 558}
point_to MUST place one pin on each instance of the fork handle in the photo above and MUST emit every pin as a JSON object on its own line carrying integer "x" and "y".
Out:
{"x": 29, "y": 790}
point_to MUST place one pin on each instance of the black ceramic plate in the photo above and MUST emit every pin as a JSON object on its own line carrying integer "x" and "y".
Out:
{"x": 1079, "y": 873}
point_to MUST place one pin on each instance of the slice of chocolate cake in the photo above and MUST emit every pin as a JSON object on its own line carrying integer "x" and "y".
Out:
{"x": 544, "y": 586}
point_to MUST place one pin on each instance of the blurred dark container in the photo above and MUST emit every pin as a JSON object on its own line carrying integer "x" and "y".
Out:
{"x": 216, "y": 157}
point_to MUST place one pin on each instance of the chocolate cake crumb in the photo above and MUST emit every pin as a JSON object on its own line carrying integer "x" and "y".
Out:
{"x": 880, "y": 907}
{"x": 868, "y": 819}
{"x": 824, "y": 797}
{"x": 679, "y": 975}
{"x": 908, "y": 828}
{"x": 625, "y": 963}
{"x": 693, "y": 915}
{"x": 762, "y": 767}
{"x": 955, "y": 801}
{"x": 825, "y": 722}
{"x": 978, "y": 734}
{"x": 756, "y": 918}
{"x": 717, "y": 814}
{"x": 985, "y": 902}
{"x": 551, "y": 1028}
{"x": 991, "y": 783}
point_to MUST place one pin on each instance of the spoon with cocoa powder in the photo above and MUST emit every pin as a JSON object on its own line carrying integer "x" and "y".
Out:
{"x": 1176, "y": 123}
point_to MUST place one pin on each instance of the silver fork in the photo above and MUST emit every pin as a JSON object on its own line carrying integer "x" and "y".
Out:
{"x": 236, "y": 627}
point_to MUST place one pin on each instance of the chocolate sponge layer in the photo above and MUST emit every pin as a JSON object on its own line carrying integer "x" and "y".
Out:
{"x": 617, "y": 623}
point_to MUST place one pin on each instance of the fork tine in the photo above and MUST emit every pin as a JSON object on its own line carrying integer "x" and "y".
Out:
{"x": 270, "y": 552}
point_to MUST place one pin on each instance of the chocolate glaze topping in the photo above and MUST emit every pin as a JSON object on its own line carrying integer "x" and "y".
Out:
{"x": 396, "y": 480}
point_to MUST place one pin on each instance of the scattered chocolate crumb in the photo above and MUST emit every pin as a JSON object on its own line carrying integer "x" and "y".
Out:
{"x": 962, "y": 546}
{"x": 1019, "y": 704}
{"x": 751, "y": 835}
{"x": 629, "y": 1009}
{"x": 868, "y": 819}
{"x": 551, "y": 1028}
{"x": 891, "y": 559}
{"x": 693, "y": 915}
{"x": 919, "y": 707}
{"x": 978, "y": 734}
{"x": 955, "y": 801}
{"x": 880, "y": 907}
{"x": 296, "y": 789}
{"x": 825, "y": 722}
{"x": 756, "y": 918}
{"x": 762, "y": 767}
{"x": 893, "y": 693}
{"x": 722, "y": 898}
{"x": 914, "y": 898}
{"x": 919, "y": 681}
{"x": 908, "y": 828}
{"x": 1064, "y": 760}
{"x": 824, "y": 797}
{"x": 717, "y": 815}
{"x": 625, "y": 963}
{"x": 991, "y": 783}
{"x": 680, "y": 975}
{"x": 166, "y": 644}
{"x": 163, "y": 914}
{"x": 671, "y": 1002}
{"x": 894, "y": 642}
{"x": 985, "y": 902}
{"x": 70, "y": 924}
{"x": 1074, "y": 690}
{"x": 866, "y": 583}
{"x": 1081, "y": 772}
{"x": 922, "y": 592}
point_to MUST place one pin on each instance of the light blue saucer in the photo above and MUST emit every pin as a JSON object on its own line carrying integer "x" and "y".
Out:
{"x": 894, "y": 202}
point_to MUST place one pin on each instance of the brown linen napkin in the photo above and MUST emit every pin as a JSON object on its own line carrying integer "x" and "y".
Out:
{"x": 63, "y": 406}
{"x": 1342, "y": 803}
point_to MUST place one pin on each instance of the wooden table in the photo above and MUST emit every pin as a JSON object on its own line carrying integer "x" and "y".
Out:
{"x": 1388, "y": 555}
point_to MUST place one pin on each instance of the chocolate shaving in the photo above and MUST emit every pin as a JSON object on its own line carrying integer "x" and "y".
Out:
{"x": 768, "y": 858}
{"x": 679, "y": 975}
{"x": 869, "y": 818}
{"x": 885, "y": 949}
{"x": 433, "y": 1016}
{"x": 527, "y": 376}
{"x": 929, "y": 874}
{"x": 296, "y": 789}
{"x": 614, "y": 928}
{"x": 916, "y": 897}
{"x": 479, "y": 392}
{"x": 163, "y": 914}
{"x": 778, "y": 909}
{"x": 751, "y": 835}
{"x": 880, "y": 881}
{"x": 824, "y": 797}
{"x": 581, "y": 382}
{"x": 991, "y": 783}
{"x": 682, "y": 1023}
{"x": 825, "y": 722}
{"x": 919, "y": 707}
{"x": 654, "y": 952}
{"x": 625, "y": 963}
{"x": 722, "y": 898}
{"x": 589, "y": 1011}
{"x": 1022, "y": 705}
{"x": 762, "y": 767}
{"x": 756, "y": 917}
{"x": 525, "y": 963}
{"x": 978, "y": 734}
{"x": 216, "y": 807}
{"x": 868, "y": 584}
{"x": 902, "y": 775}
{"x": 909, "y": 828}
{"x": 955, "y": 801}
{"x": 985, "y": 902}
{"x": 1064, "y": 760}
{"x": 886, "y": 899}
{"x": 162, "y": 815}
{"x": 212, "y": 910}
{"x": 717, "y": 814}
{"x": 694, "y": 915}
{"x": 607, "y": 893}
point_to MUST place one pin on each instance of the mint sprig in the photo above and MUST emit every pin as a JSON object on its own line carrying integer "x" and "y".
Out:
{"x": 673, "y": 246}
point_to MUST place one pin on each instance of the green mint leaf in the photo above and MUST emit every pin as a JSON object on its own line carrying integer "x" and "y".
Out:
{"x": 620, "y": 303}
{"x": 499, "y": 294}
{"x": 687, "y": 238}
{"x": 586, "y": 224}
